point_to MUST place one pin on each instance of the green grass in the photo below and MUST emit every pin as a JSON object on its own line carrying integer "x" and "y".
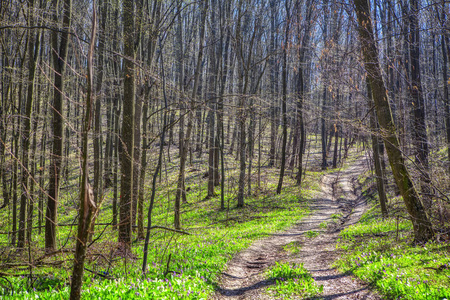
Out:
{"x": 196, "y": 260}
{"x": 292, "y": 280}
{"x": 180, "y": 266}
{"x": 381, "y": 252}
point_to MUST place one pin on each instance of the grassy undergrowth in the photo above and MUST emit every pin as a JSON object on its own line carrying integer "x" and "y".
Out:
{"x": 292, "y": 281}
{"x": 181, "y": 266}
{"x": 381, "y": 252}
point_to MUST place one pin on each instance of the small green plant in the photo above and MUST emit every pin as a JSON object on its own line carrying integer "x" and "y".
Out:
{"x": 312, "y": 233}
{"x": 336, "y": 216}
{"x": 323, "y": 225}
{"x": 292, "y": 280}
{"x": 293, "y": 247}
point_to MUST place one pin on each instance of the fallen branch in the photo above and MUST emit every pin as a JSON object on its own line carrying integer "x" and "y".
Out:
{"x": 170, "y": 229}
{"x": 53, "y": 253}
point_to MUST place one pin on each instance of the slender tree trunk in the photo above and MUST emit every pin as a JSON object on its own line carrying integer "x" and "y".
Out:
{"x": 212, "y": 100}
{"x": 158, "y": 168}
{"x": 42, "y": 165}
{"x": 242, "y": 154}
{"x": 283, "y": 102}
{"x": 143, "y": 169}
{"x": 98, "y": 141}
{"x": 145, "y": 107}
{"x": 88, "y": 207}
{"x": 3, "y": 129}
{"x": 181, "y": 191}
{"x": 137, "y": 117}
{"x": 116, "y": 161}
{"x": 26, "y": 196}
{"x": 418, "y": 102}
{"x": 59, "y": 55}
{"x": 241, "y": 114}
{"x": 273, "y": 79}
{"x": 336, "y": 143}
{"x": 14, "y": 184}
{"x": 220, "y": 108}
{"x": 325, "y": 95}
{"x": 31, "y": 205}
{"x": 137, "y": 157}
{"x": 376, "y": 157}
{"x": 300, "y": 87}
{"x": 128, "y": 123}
{"x": 446, "y": 56}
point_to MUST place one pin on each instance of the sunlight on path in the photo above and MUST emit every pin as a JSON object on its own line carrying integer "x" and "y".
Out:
{"x": 245, "y": 275}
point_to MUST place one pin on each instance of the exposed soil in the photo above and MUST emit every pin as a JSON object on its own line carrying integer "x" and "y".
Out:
{"x": 244, "y": 277}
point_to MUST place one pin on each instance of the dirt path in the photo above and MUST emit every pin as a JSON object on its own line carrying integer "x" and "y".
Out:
{"x": 244, "y": 277}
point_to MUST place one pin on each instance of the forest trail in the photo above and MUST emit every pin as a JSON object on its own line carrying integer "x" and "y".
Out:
{"x": 245, "y": 275}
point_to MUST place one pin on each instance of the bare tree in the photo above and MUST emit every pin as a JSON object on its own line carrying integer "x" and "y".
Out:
{"x": 423, "y": 230}
{"x": 88, "y": 208}
{"x": 59, "y": 54}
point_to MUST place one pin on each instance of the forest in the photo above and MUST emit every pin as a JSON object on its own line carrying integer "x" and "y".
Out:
{"x": 224, "y": 149}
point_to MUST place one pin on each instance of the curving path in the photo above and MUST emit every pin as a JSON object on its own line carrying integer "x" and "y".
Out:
{"x": 244, "y": 277}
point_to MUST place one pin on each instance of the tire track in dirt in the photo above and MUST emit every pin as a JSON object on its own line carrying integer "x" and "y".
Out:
{"x": 244, "y": 277}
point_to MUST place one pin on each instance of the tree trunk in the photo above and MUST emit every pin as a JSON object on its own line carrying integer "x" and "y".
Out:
{"x": 128, "y": 129}
{"x": 300, "y": 86}
{"x": 98, "y": 141}
{"x": 181, "y": 191}
{"x": 145, "y": 107}
{"x": 241, "y": 114}
{"x": 26, "y": 197}
{"x": 415, "y": 88}
{"x": 336, "y": 143}
{"x": 59, "y": 55}
{"x": 158, "y": 168}
{"x": 143, "y": 169}
{"x": 376, "y": 157}
{"x": 220, "y": 108}
{"x": 273, "y": 83}
{"x": 136, "y": 157}
{"x": 446, "y": 57}
{"x": 423, "y": 230}
{"x": 5, "y": 85}
{"x": 88, "y": 207}
{"x": 212, "y": 100}
{"x": 283, "y": 102}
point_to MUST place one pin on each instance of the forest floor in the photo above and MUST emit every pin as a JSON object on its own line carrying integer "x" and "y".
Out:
{"x": 339, "y": 205}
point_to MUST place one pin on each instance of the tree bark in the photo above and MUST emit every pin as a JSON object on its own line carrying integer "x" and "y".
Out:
{"x": 26, "y": 197}
{"x": 181, "y": 191}
{"x": 88, "y": 207}
{"x": 273, "y": 83}
{"x": 415, "y": 89}
{"x": 376, "y": 156}
{"x": 423, "y": 230}
{"x": 323, "y": 122}
{"x": 59, "y": 55}
{"x": 128, "y": 130}
{"x": 214, "y": 53}
{"x": 446, "y": 56}
{"x": 284, "y": 80}
{"x": 98, "y": 141}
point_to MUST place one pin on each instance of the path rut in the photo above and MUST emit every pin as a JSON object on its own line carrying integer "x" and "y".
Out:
{"x": 244, "y": 277}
